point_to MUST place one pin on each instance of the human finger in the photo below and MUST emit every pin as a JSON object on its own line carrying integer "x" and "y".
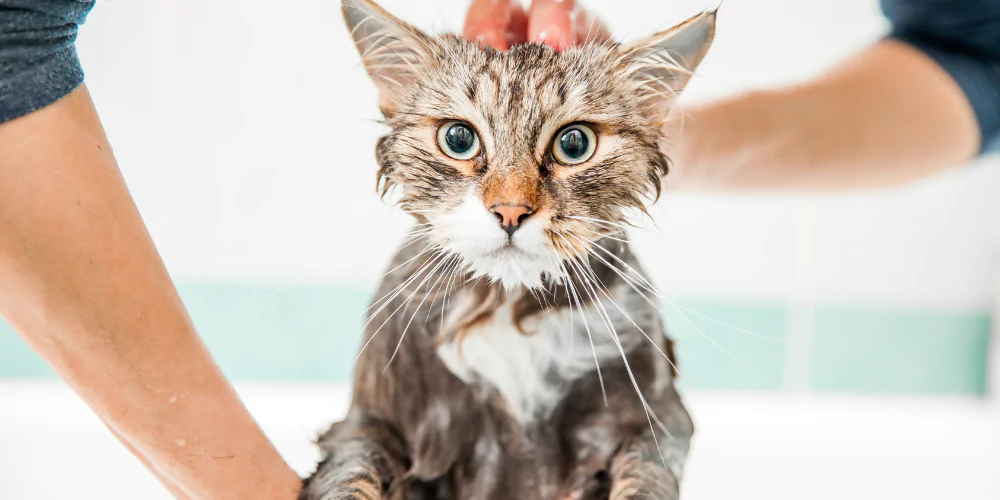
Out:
{"x": 487, "y": 22}
{"x": 551, "y": 22}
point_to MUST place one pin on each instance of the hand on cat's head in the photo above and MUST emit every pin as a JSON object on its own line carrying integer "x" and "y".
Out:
{"x": 557, "y": 23}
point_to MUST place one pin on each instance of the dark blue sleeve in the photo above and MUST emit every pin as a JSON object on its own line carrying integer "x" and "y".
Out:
{"x": 38, "y": 62}
{"x": 963, "y": 36}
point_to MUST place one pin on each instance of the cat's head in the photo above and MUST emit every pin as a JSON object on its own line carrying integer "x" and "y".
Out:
{"x": 518, "y": 160}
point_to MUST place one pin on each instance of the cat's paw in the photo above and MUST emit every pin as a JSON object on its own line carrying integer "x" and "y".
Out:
{"x": 595, "y": 486}
{"x": 636, "y": 491}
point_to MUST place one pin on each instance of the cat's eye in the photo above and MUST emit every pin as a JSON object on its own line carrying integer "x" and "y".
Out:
{"x": 574, "y": 144}
{"x": 458, "y": 140}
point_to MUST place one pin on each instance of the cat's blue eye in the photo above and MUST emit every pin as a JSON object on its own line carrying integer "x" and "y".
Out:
{"x": 458, "y": 140}
{"x": 574, "y": 144}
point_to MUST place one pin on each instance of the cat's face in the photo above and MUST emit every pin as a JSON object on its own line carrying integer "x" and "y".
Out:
{"x": 519, "y": 160}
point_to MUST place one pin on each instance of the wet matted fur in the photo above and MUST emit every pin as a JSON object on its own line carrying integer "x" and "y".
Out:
{"x": 516, "y": 351}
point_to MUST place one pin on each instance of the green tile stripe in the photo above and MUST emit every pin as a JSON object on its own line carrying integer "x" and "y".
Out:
{"x": 713, "y": 356}
{"x": 916, "y": 352}
{"x": 308, "y": 333}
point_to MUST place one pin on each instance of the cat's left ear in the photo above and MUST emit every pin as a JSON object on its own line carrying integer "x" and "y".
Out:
{"x": 393, "y": 52}
{"x": 662, "y": 65}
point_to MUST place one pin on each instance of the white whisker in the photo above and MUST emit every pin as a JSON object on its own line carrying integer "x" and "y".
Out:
{"x": 673, "y": 305}
{"x": 417, "y": 310}
{"x": 628, "y": 369}
{"x": 447, "y": 294}
{"x": 412, "y": 278}
{"x": 627, "y": 316}
{"x": 586, "y": 325}
{"x": 336, "y": 334}
{"x": 600, "y": 221}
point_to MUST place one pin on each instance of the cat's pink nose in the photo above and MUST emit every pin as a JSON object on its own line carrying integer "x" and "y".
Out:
{"x": 511, "y": 216}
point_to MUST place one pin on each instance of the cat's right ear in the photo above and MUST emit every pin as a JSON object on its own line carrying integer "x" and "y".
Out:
{"x": 393, "y": 52}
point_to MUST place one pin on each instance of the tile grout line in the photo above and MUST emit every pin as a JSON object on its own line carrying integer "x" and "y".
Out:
{"x": 800, "y": 315}
{"x": 993, "y": 355}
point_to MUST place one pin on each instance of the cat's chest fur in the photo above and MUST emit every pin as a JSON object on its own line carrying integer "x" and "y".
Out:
{"x": 531, "y": 369}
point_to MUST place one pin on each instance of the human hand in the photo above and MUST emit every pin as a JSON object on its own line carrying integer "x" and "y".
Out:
{"x": 560, "y": 24}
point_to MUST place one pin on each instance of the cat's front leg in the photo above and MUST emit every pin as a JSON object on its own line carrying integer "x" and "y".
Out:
{"x": 362, "y": 457}
{"x": 638, "y": 473}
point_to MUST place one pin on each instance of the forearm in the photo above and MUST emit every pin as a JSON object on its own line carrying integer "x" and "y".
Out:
{"x": 888, "y": 116}
{"x": 81, "y": 281}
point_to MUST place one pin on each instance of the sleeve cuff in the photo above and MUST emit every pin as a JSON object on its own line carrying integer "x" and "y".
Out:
{"x": 40, "y": 85}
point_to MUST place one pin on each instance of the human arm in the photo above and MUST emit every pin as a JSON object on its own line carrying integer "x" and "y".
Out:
{"x": 82, "y": 283}
{"x": 887, "y": 116}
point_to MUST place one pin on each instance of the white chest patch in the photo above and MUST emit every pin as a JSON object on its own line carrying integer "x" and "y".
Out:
{"x": 532, "y": 372}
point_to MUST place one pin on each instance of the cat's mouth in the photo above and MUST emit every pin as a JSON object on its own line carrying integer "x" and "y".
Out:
{"x": 511, "y": 262}
{"x": 510, "y": 250}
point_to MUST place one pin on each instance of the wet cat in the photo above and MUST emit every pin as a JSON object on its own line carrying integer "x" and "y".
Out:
{"x": 516, "y": 351}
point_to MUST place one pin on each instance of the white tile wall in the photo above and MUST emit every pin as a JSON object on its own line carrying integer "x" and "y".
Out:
{"x": 245, "y": 129}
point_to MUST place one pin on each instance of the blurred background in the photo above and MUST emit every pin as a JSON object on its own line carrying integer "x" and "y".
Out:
{"x": 830, "y": 346}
